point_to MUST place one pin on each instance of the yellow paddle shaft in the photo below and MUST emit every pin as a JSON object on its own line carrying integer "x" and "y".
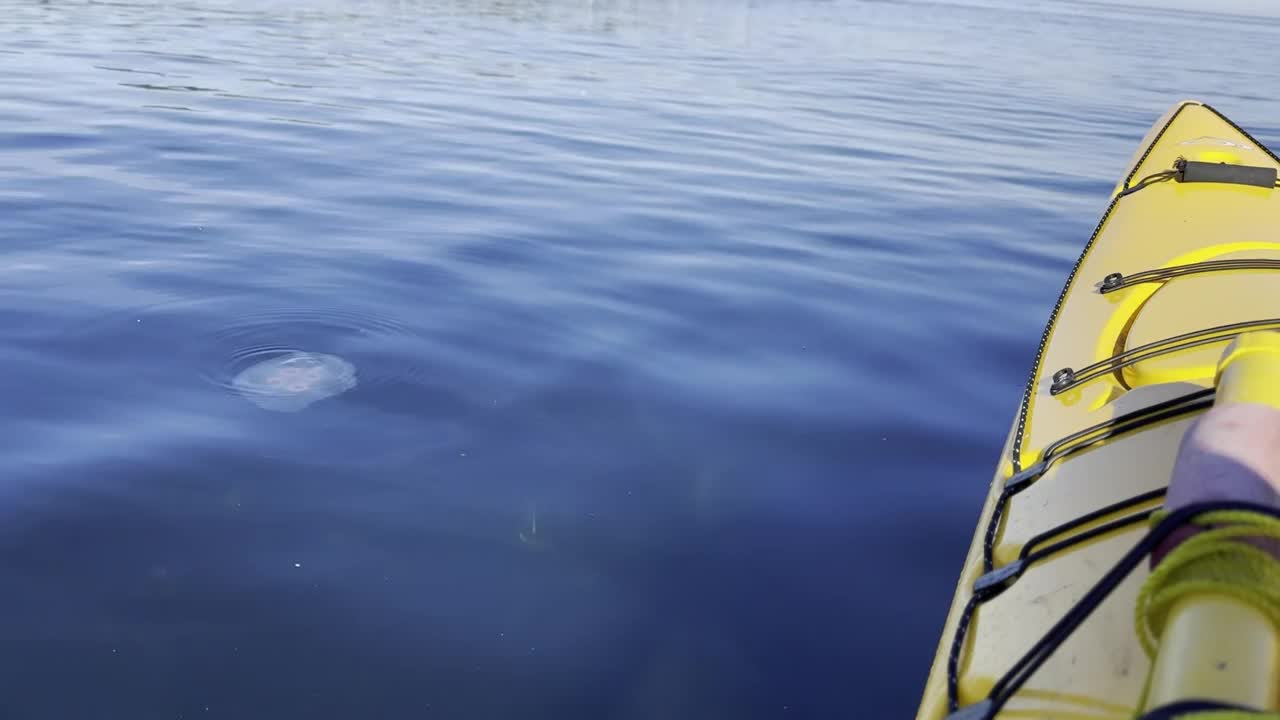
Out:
{"x": 1215, "y": 647}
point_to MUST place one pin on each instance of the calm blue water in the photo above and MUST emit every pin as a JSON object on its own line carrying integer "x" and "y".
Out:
{"x": 686, "y": 333}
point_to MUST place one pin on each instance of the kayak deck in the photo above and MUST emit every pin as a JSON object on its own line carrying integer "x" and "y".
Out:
{"x": 1180, "y": 263}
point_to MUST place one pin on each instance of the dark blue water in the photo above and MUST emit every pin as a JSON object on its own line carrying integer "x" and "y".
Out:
{"x": 686, "y": 335}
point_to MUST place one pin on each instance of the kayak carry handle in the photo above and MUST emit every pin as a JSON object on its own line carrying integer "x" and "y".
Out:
{"x": 1194, "y": 171}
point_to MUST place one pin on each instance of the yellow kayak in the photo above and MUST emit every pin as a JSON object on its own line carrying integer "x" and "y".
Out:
{"x": 1182, "y": 264}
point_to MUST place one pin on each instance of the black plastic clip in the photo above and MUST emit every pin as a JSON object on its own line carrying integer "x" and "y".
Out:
{"x": 1020, "y": 481}
{"x": 995, "y": 582}
{"x": 1063, "y": 379}
{"x": 1111, "y": 282}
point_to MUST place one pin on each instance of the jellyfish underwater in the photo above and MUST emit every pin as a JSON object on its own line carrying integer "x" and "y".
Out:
{"x": 291, "y": 382}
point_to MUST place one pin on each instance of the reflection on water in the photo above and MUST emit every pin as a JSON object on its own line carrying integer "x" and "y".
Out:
{"x": 686, "y": 334}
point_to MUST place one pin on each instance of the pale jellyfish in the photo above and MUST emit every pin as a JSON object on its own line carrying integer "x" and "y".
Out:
{"x": 288, "y": 383}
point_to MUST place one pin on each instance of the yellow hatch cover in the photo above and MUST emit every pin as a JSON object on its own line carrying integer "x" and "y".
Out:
{"x": 1195, "y": 303}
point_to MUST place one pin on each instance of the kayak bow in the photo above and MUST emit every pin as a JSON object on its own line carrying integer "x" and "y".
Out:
{"x": 1182, "y": 263}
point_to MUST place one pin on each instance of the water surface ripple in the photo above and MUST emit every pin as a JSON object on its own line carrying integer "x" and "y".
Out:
{"x": 686, "y": 333}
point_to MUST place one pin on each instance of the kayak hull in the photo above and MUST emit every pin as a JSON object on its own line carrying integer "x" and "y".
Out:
{"x": 1206, "y": 249}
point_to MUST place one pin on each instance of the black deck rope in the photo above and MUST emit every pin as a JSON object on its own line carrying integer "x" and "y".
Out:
{"x": 1020, "y": 432}
{"x": 1062, "y": 448}
{"x": 1035, "y": 657}
{"x": 1242, "y": 131}
{"x": 1083, "y": 440}
{"x": 1116, "y": 282}
{"x": 1113, "y": 508}
{"x": 1148, "y": 181}
{"x": 957, "y": 648}
{"x": 1146, "y": 152}
{"x": 1194, "y": 400}
{"x": 1090, "y": 534}
{"x": 1030, "y": 388}
{"x": 995, "y": 581}
{"x": 993, "y": 527}
{"x": 1068, "y": 378}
